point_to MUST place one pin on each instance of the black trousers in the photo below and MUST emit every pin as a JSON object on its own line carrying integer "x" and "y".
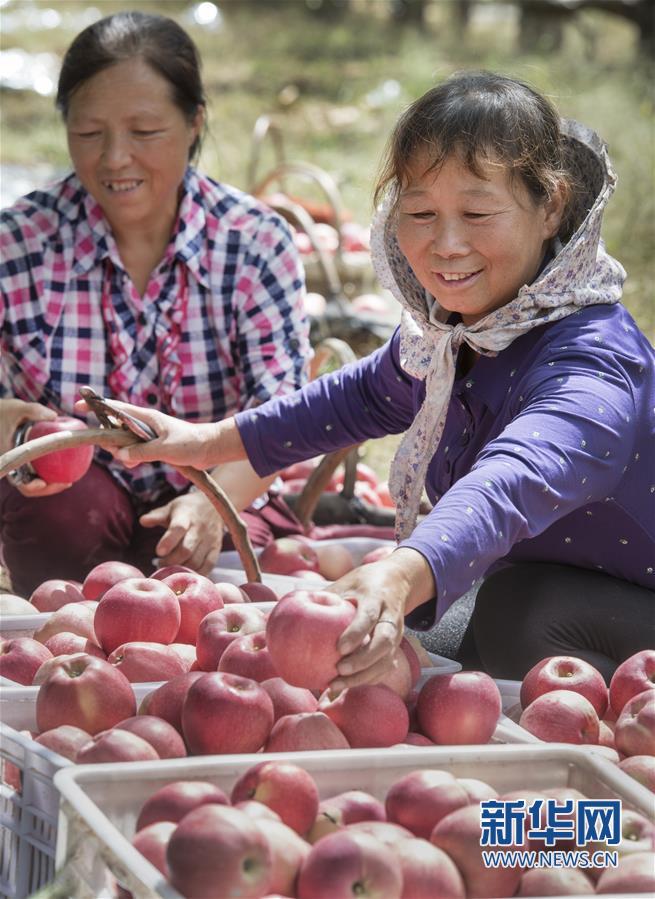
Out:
{"x": 528, "y": 611}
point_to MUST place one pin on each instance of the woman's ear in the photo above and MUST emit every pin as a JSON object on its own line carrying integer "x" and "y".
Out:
{"x": 554, "y": 208}
{"x": 197, "y": 124}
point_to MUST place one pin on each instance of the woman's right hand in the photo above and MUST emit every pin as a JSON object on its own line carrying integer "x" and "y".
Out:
{"x": 13, "y": 413}
{"x": 178, "y": 442}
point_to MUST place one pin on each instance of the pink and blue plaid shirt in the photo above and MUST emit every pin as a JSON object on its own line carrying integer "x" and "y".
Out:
{"x": 220, "y": 326}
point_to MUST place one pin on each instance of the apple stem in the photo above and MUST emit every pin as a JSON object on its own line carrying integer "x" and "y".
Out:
{"x": 107, "y": 438}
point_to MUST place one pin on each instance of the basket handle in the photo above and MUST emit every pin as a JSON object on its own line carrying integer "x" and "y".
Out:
{"x": 309, "y": 172}
{"x": 339, "y": 350}
{"x": 264, "y": 127}
{"x": 109, "y": 438}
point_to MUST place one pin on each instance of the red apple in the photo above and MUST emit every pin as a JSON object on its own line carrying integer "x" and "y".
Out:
{"x": 257, "y": 592}
{"x": 143, "y": 662}
{"x": 334, "y": 560}
{"x": 561, "y": 716}
{"x": 458, "y": 834}
{"x": 369, "y": 715}
{"x": 65, "y": 644}
{"x": 287, "y": 554}
{"x": 105, "y": 575}
{"x": 420, "y": 799}
{"x": 555, "y": 882}
{"x": 231, "y": 594}
{"x": 642, "y": 768}
{"x": 349, "y": 864}
{"x": 305, "y": 731}
{"x": 633, "y": 676}
{"x": 226, "y": 713}
{"x": 427, "y": 871}
{"x": 477, "y": 790}
{"x": 160, "y": 573}
{"x": 248, "y": 656}
{"x": 305, "y": 575}
{"x": 137, "y": 609}
{"x": 66, "y": 739}
{"x": 565, "y": 673}
{"x": 21, "y": 658}
{"x": 286, "y": 788}
{"x": 162, "y": 736}
{"x": 414, "y": 739}
{"x": 197, "y": 596}
{"x": 288, "y": 700}
{"x": 62, "y": 466}
{"x": 116, "y": 746}
{"x": 218, "y": 629}
{"x": 302, "y": 633}
{"x": 85, "y": 692}
{"x": 10, "y": 604}
{"x": 166, "y": 701}
{"x": 634, "y": 874}
{"x": 635, "y": 729}
{"x": 257, "y": 809}
{"x": 377, "y": 554}
{"x": 288, "y": 852}
{"x": 385, "y": 832}
{"x": 175, "y": 800}
{"x": 605, "y": 735}
{"x": 461, "y": 708}
{"x": 73, "y": 618}
{"x": 51, "y": 595}
{"x": 216, "y": 844}
{"x": 352, "y": 806}
{"x": 186, "y": 653}
{"x": 397, "y": 675}
{"x": 152, "y": 843}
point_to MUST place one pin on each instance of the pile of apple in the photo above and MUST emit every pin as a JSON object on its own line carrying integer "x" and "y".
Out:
{"x": 565, "y": 699}
{"x": 273, "y": 836}
{"x": 368, "y": 487}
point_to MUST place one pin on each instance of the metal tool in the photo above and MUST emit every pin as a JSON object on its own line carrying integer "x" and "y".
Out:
{"x": 110, "y": 416}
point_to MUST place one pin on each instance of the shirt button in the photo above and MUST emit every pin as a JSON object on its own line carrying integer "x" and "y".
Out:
{"x": 151, "y": 398}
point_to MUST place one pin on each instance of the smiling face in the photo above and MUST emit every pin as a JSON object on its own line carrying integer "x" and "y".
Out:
{"x": 129, "y": 144}
{"x": 472, "y": 241}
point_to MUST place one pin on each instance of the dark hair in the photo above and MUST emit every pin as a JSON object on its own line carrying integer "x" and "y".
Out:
{"x": 158, "y": 40}
{"x": 483, "y": 116}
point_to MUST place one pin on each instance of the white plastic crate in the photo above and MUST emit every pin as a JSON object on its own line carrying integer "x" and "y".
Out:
{"x": 100, "y": 803}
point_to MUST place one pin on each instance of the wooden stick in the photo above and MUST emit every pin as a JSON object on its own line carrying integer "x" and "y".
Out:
{"x": 109, "y": 438}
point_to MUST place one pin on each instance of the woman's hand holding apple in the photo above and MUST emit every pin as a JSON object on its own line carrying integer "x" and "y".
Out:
{"x": 385, "y": 592}
{"x": 13, "y": 413}
{"x": 194, "y": 532}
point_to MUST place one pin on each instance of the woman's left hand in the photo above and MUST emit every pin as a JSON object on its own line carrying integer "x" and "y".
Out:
{"x": 194, "y": 532}
{"x": 385, "y": 592}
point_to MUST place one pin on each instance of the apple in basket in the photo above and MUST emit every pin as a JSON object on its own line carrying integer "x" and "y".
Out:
{"x": 635, "y": 729}
{"x": 427, "y": 871}
{"x": 63, "y": 466}
{"x": 175, "y": 800}
{"x": 633, "y": 676}
{"x": 350, "y": 863}
{"x": 257, "y": 592}
{"x": 302, "y": 632}
{"x": 565, "y": 673}
{"x": 286, "y": 555}
{"x": 143, "y": 662}
{"x": 286, "y": 788}
{"x": 66, "y": 739}
{"x": 219, "y": 844}
{"x": 86, "y": 692}
{"x": 248, "y": 656}
{"x": 10, "y": 604}
{"x": 137, "y": 609}
{"x": 289, "y": 700}
{"x": 334, "y": 560}
{"x": 54, "y": 593}
{"x": 220, "y": 628}
{"x": 305, "y": 731}
{"x": 166, "y": 701}
{"x": 561, "y": 716}
{"x": 642, "y": 768}
{"x": 460, "y": 708}
{"x": 420, "y": 799}
{"x": 369, "y": 715}
{"x": 21, "y": 658}
{"x": 105, "y": 575}
{"x": 288, "y": 851}
{"x": 115, "y": 745}
{"x": 197, "y": 596}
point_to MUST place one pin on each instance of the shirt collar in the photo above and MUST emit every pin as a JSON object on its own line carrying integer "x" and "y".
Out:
{"x": 95, "y": 242}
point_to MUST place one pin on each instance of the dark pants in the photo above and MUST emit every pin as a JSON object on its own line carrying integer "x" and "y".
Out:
{"x": 526, "y": 612}
{"x": 95, "y": 520}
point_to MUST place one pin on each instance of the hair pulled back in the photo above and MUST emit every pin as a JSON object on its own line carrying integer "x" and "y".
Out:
{"x": 482, "y": 117}
{"x": 159, "y": 41}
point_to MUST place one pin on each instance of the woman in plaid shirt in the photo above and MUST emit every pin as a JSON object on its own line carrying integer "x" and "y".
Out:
{"x": 149, "y": 282}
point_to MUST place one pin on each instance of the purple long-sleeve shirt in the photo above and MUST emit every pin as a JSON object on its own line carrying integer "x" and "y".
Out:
{"x": 547, "y": 453}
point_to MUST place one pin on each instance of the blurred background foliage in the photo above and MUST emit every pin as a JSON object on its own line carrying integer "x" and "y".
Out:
{"x": 335, "y": 74}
